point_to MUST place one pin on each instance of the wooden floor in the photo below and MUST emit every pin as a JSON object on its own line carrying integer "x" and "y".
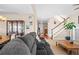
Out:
{"x": 57, "y": 50}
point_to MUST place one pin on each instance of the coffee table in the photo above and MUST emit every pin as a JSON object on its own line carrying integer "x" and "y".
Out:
{"x": 68, "y": 46}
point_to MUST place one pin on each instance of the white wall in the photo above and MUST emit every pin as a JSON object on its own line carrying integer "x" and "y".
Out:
{"x": 61, "y": 34}
{"x": 32, "y": 28}
{"x": 51, "y": 24}
{"x": 73, "y": 18}
{"x": 2, "y": 27}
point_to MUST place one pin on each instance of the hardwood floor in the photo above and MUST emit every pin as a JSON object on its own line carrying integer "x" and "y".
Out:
{"x": 56, "y": 49}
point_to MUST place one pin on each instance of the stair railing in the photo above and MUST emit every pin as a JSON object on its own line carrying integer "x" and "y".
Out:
{"x": 59, "y": 25}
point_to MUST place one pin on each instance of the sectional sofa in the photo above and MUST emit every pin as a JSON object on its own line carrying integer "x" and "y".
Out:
{"x": 26, "y": 45}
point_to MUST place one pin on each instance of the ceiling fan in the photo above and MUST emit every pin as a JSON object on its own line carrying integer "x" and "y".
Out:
{"x": 77, "y": 6}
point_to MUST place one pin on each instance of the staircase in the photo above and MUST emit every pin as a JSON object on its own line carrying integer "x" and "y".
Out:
{"x": 59, "y": 31}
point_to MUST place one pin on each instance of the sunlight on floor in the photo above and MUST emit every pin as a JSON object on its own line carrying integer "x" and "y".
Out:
{"x": 56, "y": 49}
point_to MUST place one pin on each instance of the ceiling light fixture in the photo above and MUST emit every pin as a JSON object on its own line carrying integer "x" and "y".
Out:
{"x": 2, "y": 18}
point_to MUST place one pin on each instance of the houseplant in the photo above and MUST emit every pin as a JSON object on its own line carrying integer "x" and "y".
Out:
{"x": 69, "y": 26}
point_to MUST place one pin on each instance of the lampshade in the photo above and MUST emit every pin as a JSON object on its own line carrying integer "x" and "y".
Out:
{"x": 2, "y": 18}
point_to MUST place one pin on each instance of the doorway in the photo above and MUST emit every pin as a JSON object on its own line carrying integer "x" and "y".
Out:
{"x": 43, "y": 28}
{"x": 15, "y": 27}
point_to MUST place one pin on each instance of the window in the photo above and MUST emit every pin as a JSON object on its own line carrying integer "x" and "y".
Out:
{"x": 15, "y": 26}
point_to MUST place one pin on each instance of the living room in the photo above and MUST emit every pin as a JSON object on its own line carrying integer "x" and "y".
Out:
{"x": 48, "y": 23}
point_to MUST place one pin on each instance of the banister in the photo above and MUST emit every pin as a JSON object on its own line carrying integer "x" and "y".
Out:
{"x": 59, "y": 30}
{"x": 58, "y": 25}
{"x": 61, "y": 22}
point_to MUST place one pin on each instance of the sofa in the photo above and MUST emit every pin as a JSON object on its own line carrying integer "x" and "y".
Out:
{"x": 26, "y": 45}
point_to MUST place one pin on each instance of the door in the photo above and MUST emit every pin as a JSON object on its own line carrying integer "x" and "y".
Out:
{"x": 15, "y": 27}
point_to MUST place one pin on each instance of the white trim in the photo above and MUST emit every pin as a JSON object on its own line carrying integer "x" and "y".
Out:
{"x": 74, "y": 32}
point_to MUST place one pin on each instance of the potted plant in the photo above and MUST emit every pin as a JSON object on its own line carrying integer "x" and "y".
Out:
{"x": 69, "y": 26}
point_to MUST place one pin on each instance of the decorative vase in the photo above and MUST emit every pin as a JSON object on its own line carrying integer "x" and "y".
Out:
{"x": 71, "y": 42}
{"x": 67, "y": 37}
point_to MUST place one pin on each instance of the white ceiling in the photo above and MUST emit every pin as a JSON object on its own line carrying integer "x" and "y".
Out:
{"x": 46, "y": 11}
{"x": 43, "y": 11}
{"x": 15, "y": 9}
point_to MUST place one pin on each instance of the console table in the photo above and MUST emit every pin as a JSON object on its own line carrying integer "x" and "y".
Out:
{"x": 4, "y": 39}
{"x": 68, "y": 46}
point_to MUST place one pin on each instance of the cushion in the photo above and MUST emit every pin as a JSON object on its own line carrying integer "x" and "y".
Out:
{"x": 33, "y": 50}
{"x": 29, "y": 41}
{"x": 33, "y": 34}
{"x": 38, "y": 38}
{"x": 15, "y": 47}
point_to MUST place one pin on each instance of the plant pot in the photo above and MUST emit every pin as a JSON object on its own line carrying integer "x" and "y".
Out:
{"x": 67, "y": 37}
{"x": 71, "y": 42}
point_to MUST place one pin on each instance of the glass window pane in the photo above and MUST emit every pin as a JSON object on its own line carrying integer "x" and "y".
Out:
{"x": 14, "y": 27}
{"x": 9, "y": 27}
{"x": 19, "y": 27}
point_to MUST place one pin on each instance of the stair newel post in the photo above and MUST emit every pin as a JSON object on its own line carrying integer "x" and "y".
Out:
{"x": 51, "y": 33}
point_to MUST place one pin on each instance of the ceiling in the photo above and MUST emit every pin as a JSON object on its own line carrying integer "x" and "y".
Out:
{"x": 43, "y": 11}
{"x": 15, "y": 9}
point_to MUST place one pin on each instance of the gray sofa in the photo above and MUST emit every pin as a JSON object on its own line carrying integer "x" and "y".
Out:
{"x": 25, "y": 45}
{"x": 15, "y": 47}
